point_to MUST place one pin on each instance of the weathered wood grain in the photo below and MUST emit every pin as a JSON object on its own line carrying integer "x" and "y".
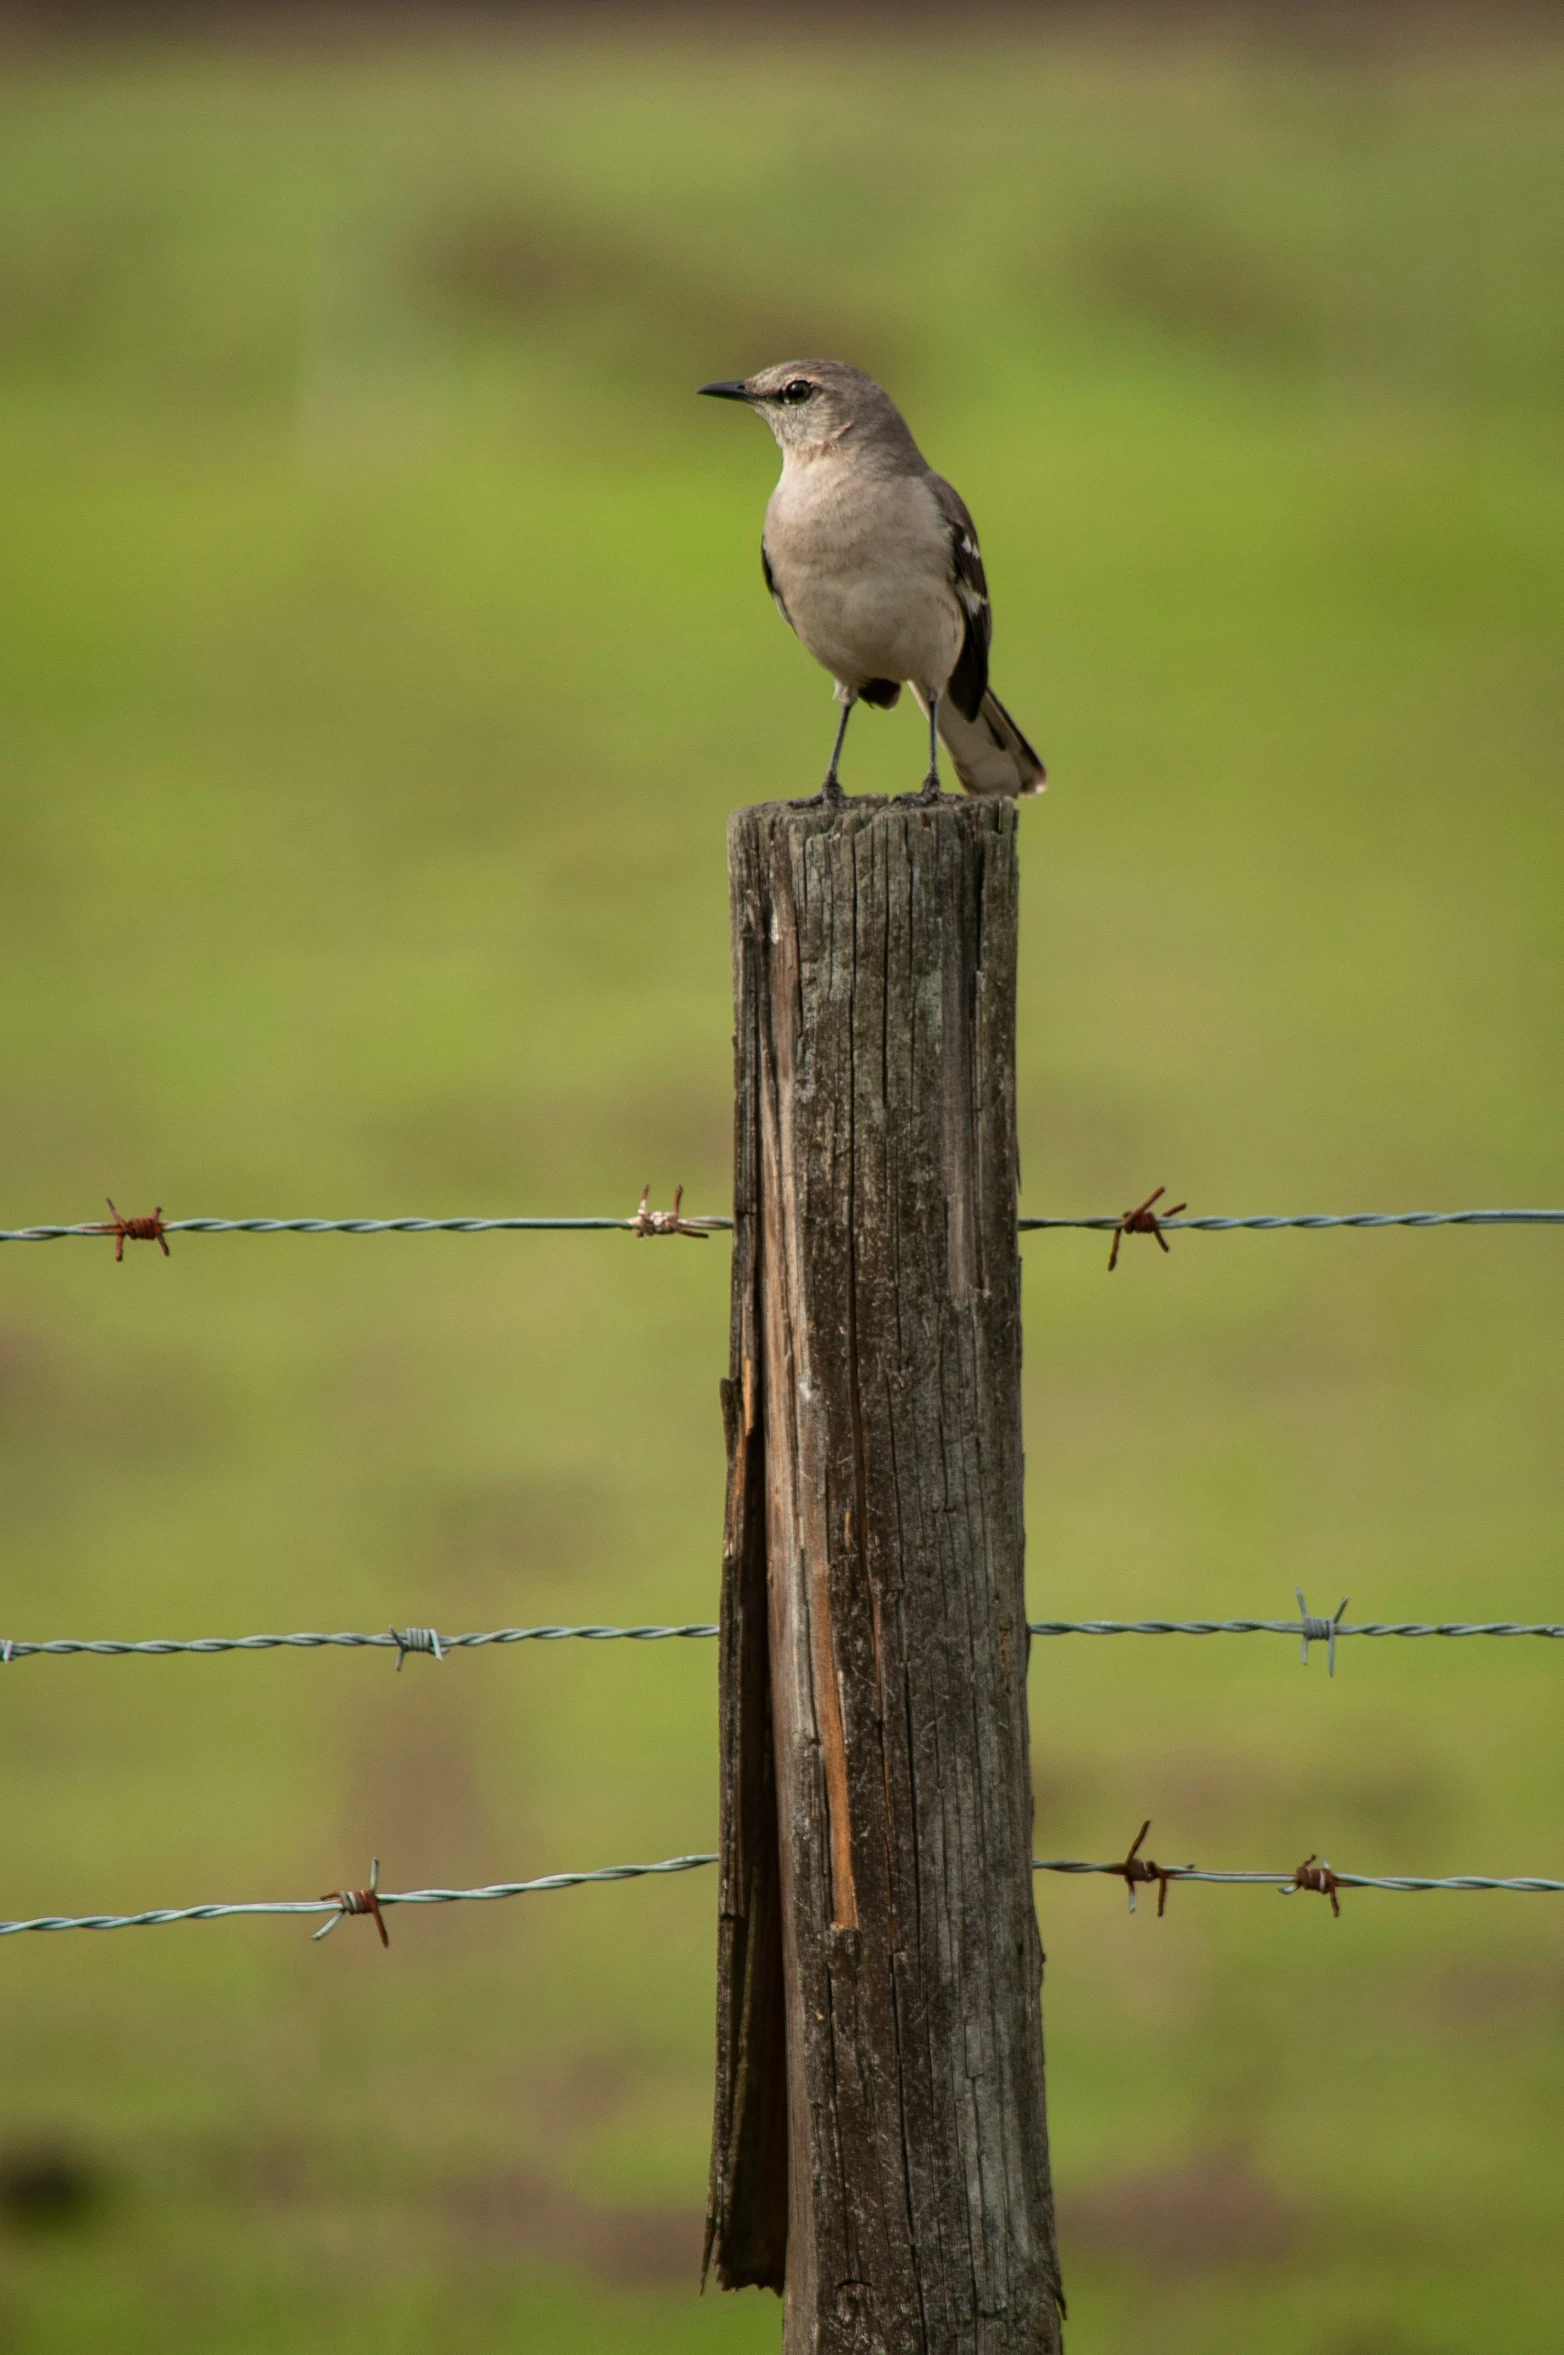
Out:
{"x": 880, "y": 2144}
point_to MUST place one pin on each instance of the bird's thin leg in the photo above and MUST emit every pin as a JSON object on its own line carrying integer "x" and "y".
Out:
{"x": 831, "y": 788}
{"x": 930, "y": 789}
{"x": 830, "y": 793}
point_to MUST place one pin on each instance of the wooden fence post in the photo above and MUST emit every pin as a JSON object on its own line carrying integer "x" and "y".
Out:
{"x": 880, "y": 2148}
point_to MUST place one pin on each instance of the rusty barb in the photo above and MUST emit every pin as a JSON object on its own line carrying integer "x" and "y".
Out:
{"x": 134, "y": 1230}
{"x": 664, "y": 1222}
{"x": 1136, "y": 1867}
{"x": 1143, "y": 1220}
{"x": 1316, "y": 1874}
{"x": 356, "y": 1901}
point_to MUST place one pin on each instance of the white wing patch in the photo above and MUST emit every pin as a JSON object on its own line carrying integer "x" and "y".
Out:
{"x": 969, "y": 575}
{"x": 969, "y": 678}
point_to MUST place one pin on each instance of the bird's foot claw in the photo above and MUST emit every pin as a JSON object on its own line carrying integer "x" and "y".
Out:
{"x": 926, "y": 797}
{"x": 829, "y": 797}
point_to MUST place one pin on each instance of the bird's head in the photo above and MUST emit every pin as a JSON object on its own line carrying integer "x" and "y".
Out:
{"x": 817, "y": 406}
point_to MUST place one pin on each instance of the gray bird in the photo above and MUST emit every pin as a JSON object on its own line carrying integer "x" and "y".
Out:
{"x": 873, "y": 562}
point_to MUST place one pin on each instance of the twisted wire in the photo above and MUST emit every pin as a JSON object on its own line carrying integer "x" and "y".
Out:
{"x": 402, "y": 1641}
{"x": 1312, "y": 1630}
{"x": 345, "y": 1226}
{"x": 1286, "y": 1881}
{"x": 333, "y": 1905}
{"x": 1267, "y": 1221}
{"x": 1263, "y": 1223}
{"x": 408, "y": 1640}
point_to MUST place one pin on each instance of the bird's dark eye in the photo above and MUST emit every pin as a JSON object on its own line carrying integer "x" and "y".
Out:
{"x": 799, "y": 390}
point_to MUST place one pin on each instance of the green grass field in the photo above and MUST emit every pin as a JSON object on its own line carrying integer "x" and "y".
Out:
{"x": 382, "y": 647}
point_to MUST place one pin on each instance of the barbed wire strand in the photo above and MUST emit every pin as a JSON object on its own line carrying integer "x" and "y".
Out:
{"x": 401, "y": 1640}
{"x": 646, "y": 1224}
{"x": 1287, "y": 1882}
{"x": 428, "y": 1640}
{"x": 334, "y": 1906}
{"x": 1267, "y": 1221}
{"x": 355, "y": 1226}
{"x": 341, "y": 1902}
{"x": 1310, "y": 1631}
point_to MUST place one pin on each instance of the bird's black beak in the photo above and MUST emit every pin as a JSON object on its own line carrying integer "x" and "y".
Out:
{"x": 732, "y": 388}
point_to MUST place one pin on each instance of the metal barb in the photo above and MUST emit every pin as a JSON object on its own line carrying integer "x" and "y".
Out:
{"x": 1316, "y": 1875}
{"x": 1143, "y": 1220}
{"x": 356, "y": 1901}
{"x": 415, "y": 1639}
{"x": 664, "y": 1222}
{"x": 1319, "y": 1631}
{"x": 1136, "y": 1867}
{"x": 135, "y": 1230}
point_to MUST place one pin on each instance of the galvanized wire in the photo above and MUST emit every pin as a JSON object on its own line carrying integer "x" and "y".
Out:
{"x": 337, "y": 1907}
{"x": 1266, "y": 1222}
{"x": 333, "y": 1905}
{"x": 400, "y": 1640}
{"x": 1287, "y": 1884}
{"x": 97, "y": 1229}
{"x": 428, "y": 1640}
{"x": 346, "y": 1226}
{"x": 1309, "y": 1630}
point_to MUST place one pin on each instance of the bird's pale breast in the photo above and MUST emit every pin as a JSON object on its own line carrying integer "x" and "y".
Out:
{"x": 862, "y": 565}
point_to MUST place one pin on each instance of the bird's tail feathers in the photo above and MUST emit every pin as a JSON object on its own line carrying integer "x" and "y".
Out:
{"x": 989, "y": 753}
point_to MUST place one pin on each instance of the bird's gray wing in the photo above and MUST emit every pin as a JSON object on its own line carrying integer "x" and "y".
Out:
{"x": 969, "y": 679}
{"x": 772, "y": 591}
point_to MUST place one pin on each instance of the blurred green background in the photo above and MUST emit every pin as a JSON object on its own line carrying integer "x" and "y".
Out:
{"x": 382, "y": 647}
